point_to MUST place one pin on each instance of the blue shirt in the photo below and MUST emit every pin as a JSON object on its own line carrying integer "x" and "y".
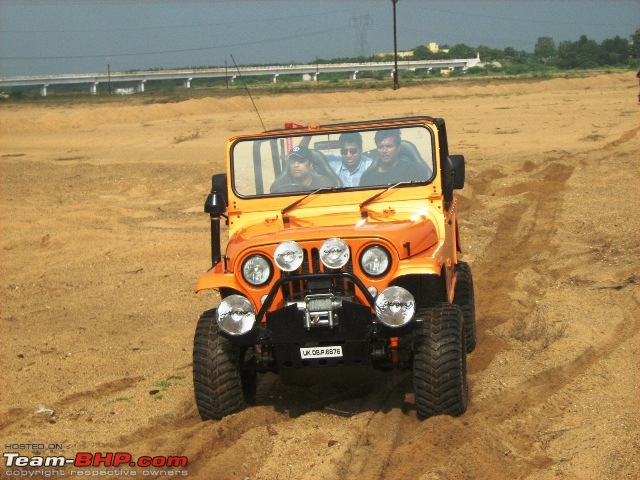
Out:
{"x": 348, "y": 178}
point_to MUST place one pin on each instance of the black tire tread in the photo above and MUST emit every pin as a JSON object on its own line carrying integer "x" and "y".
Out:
{"x": 439, "y": 362}
{"x": 217, "y": 380}
{"x": 464, "y": 298}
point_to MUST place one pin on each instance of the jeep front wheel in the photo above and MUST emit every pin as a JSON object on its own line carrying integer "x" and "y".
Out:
{"x": 220, "y": 385}
{"x": 440, "y": 362}
{"x": 464, "y": 298}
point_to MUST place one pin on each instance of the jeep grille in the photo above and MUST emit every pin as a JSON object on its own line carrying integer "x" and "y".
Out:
{"x": 311, "y": 264}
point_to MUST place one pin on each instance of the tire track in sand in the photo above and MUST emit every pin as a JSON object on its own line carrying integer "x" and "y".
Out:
{"x": 496, "y": 439}
{"x": 388, "y": 439}
{"x": 523, "y": 229}
{"x": 497, "y": 436}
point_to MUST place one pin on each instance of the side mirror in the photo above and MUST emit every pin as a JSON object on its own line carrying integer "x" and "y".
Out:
{"x": 219, "y": 184}
{"x": 456, "y": 164}
{"x": 452, "y": 177}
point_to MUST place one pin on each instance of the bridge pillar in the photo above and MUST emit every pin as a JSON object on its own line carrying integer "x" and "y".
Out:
{"x": 354, "y": 75}
{"x": 275, "y": 77}
{"x": 93, "y": 88}
{"x": 43, "y": 90}
{"x": 187, "y": 82}
{"x": 391, "y": 74}
{"x": 233, "y": 78}
{"x": 141, "y": 86}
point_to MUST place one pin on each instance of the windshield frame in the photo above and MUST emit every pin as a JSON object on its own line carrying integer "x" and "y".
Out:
{"x": 267, "y": 150}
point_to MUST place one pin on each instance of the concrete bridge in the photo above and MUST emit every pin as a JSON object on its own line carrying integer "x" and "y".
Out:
{"x": 308, "y": 73}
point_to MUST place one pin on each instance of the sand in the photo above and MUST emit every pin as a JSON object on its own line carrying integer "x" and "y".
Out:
{"x": 103, "y": 237}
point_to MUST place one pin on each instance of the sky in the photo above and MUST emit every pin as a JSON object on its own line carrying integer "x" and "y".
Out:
{"x": 90, "y": 36}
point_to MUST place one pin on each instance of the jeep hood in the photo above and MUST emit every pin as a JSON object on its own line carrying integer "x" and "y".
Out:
{"x": 416, "y": 229}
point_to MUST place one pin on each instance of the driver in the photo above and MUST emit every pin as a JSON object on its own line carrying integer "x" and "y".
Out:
{"x": 299, "y": 174}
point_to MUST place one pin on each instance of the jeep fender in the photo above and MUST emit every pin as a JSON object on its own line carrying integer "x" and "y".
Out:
{"x": 220, "y": 280}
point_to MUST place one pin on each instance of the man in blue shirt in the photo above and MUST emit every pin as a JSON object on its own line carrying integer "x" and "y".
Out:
{"x": 351, "y": 163}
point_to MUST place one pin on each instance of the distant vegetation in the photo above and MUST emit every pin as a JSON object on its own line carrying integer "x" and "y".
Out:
{"x": 546, "y": 59}
{"x": 582, "y": 54}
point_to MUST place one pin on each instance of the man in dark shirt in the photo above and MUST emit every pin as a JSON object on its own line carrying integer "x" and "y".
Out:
{"x": 299, "y": 175}
{"x": 389, "y": 168}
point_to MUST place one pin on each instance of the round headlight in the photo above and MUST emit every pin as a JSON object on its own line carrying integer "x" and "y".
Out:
{"x": 236, "y": 315}
{"x": 334, "y": 253}
{"x": 256, "y": 270}
{"x": 375, "y": 260}
{"x": 288, "y": 256}
{"x": 395, "y": 307}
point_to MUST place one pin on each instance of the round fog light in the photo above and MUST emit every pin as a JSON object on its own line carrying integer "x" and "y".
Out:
{"x": 288, "y": 256}
{"x": 395, "y": 307}
{"x": 236, "y": 315}
{"x": 334, "y": 253}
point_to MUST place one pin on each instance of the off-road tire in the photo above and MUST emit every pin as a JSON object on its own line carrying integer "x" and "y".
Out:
{"x": 464, "y": 298}
{"x": 217, "y": 376}
{"x": 440, "y": 362}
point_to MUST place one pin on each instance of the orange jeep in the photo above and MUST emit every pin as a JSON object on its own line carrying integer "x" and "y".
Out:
{"x": 342, "y": 256}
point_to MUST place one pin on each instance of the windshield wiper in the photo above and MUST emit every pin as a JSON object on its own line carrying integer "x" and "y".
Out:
{"x": 300, "y": 200}
{"x": 372, "y": 198}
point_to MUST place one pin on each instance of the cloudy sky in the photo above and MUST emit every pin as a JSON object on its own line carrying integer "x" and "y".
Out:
{"x": 83, "y": 36}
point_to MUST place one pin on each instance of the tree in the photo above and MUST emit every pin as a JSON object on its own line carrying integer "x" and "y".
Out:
{"x": 614, "y": 51}
{"x": 510, "y": 54}
{"x": 421, "y": 52}
{"x": 488, "y": 54}
{"x": 584, "y": 53}
{"x": 461, "y": 50}
{"x": 634, "y": 49}
{"x": 545, "y": 48}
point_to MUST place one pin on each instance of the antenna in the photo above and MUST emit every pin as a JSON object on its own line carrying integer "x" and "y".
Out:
{"x": 249, "y": 93}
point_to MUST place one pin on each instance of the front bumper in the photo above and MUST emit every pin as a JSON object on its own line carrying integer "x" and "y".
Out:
{"x": 320, "y": 316}
{"x": 354, "y": 332}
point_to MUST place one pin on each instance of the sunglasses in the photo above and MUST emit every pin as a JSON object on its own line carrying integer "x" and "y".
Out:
{"x": 347, "y": 151}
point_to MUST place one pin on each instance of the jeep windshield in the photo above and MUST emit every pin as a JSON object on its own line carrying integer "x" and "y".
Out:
{"x": 326, "y": 162}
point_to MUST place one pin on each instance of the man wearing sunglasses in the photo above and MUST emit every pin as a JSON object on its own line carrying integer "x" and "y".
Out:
{"x": 351, "y": 163}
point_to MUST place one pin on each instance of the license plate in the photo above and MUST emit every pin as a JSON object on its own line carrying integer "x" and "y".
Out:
{"x": 320, "y": 352}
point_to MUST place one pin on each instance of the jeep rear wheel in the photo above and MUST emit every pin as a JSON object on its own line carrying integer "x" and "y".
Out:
{"x": 440, "y": 362}
{"x": 463, "y": 297}
{"x": 220, "y": 383}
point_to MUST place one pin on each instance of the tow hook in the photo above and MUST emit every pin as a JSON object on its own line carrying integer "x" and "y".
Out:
{"x": 394, "y": 350}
